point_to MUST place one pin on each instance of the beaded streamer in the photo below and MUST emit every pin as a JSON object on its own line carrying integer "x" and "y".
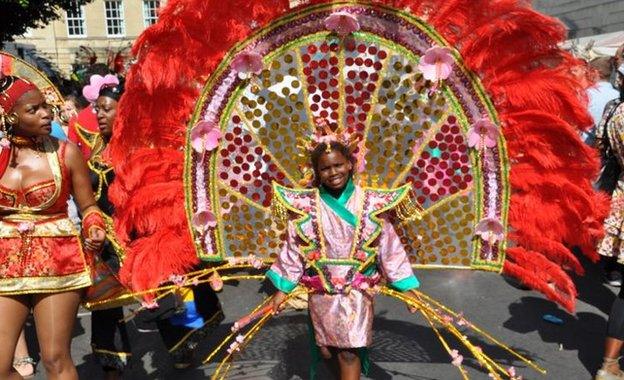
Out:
{"x": 413, "y": 131}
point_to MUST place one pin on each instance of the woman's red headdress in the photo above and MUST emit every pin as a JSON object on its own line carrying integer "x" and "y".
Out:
{"x": 11, "y": 89}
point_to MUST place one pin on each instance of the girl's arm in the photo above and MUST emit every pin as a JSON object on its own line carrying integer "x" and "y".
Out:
{"x": 287, "y": 270}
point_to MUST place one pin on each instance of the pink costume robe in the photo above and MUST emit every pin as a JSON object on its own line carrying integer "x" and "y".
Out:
{"x": 342, "y": 261}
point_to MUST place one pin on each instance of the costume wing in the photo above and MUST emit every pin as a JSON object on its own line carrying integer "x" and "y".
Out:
{"x": 471, "y": 102}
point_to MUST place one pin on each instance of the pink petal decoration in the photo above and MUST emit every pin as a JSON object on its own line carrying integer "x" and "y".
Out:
{"x": 342, "y": 23}
{"x": 25, "y": 227}
{"x": 203, "y": 220}
{"x": 215, "y": 281}
{"x": 149, "y": 304}
{"x": 177, "y": 280}
{"x": 457, "y": 361}
{"x": 436, "y": 64}
{"x": 4, "y": 143}
{"x": 205, "y": 136}
{"x": 483, "y": 134}
{"x": 255, "y": 261}
{"x": 457, "y": 358}
{"x": 248, "y": 63}
{"x": 92, "y": 90}
{"x": 490, "y": 230}
{"x": 360, "y": 255}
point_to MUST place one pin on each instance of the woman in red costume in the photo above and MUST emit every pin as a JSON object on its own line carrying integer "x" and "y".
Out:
{"x": 42, "y": 262}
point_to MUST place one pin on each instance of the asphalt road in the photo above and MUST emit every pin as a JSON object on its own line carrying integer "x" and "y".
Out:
{"x": 404, "y": 346}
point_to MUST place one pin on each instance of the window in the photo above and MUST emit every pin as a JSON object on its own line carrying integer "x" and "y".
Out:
{"x": 114, "y": 18}
{"x": 75, "y": 21}
{"x": 149, "y": 12}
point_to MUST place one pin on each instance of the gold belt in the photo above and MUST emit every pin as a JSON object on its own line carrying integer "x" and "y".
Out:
{"x": 37, "y": 225}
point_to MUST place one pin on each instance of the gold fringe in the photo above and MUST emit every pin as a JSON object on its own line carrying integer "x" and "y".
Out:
{"x": 408, "y": 209}
{"x": 280, "y": 215}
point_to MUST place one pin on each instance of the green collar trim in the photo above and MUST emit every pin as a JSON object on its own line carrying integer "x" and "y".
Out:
{"x": 338, "y": 205}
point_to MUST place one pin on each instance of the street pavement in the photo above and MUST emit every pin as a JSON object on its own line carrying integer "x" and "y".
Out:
{"x": 404, "y": 346}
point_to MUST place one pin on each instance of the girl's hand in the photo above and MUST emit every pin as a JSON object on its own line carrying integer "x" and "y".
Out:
{"x": 278, "y": 301}
{"x": 96, "y": 238}
{"x": 413, "y": 295}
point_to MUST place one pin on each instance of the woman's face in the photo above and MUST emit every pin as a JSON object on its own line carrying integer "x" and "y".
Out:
{"x": 106, "y": 110}
{"x": 34, "y": 116}
{"x": 334, "y": 170}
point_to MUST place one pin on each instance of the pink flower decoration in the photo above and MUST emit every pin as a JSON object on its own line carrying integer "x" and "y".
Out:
{"x": 360, "y": 255}
{"x": 447, "y": 318}
{"x": 92, "y": 90}
{"x": 247, "y": 63}
{"x": 254, "y": 261}
{"x": 482, "y": 134}
{"x": 436, "y": 64}
{"x": 342, "y": 23}
{"x": 215, "y": 281}
{"x": 511, "y": 371}
{"x": 314, "y": 255}
{"x": 204, "y": 220}
{"x": 150, "y": 304}
{"x": 338, "y": 282}
{"x": 457, "y": 358}
{"x": 490, "y": 230}
{"x": 235, "y": 346}
{"x": 4, "y": 143}
{"x": 25, "y": 227}
{"x": 205, "y": 136}
{"x": 177, "y": 279}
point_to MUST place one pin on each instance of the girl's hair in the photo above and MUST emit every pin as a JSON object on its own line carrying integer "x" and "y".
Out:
{"x": 333, "y": 146}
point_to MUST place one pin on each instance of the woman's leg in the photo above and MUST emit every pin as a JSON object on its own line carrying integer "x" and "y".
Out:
{"x": 23, "y": 362}
{"x": 55, "y": 315}
{"x": 13, "y": 313}
{"x": 615, "y": 336}
{"x": 349, "y": 361}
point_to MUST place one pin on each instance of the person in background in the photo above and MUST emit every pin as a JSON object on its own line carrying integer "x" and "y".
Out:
{"x": 610, "y": 135}
{"x": 83, "y": 128}
{"x": 599, "y": 94}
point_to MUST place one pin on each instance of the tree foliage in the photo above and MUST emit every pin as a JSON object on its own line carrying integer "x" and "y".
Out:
{"x": 16, "y": 16}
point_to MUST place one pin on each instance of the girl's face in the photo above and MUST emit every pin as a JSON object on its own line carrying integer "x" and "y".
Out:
{"x": 106, "y": 110}
{"x": 334, "y": 170}
{"x": 34, "y": 116}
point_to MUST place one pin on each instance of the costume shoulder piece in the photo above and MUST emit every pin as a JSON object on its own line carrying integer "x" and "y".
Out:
{"x": 297, "y": 201}
{"x": 399, "y": 200}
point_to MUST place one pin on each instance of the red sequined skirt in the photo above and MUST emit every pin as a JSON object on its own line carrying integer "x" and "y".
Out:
{"x": 41, "y": 256}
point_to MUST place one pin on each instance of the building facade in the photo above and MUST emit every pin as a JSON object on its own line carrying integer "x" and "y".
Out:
{"x": 100, "y": 27}
{"x": 585, "y": 18}
{"x": 105, "y": 26}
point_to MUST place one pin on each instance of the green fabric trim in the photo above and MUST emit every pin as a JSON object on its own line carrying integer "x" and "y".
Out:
{"x": 338, "y": 204}
{"x": 280, "y": 282}
{"x": 408, "y": 283}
